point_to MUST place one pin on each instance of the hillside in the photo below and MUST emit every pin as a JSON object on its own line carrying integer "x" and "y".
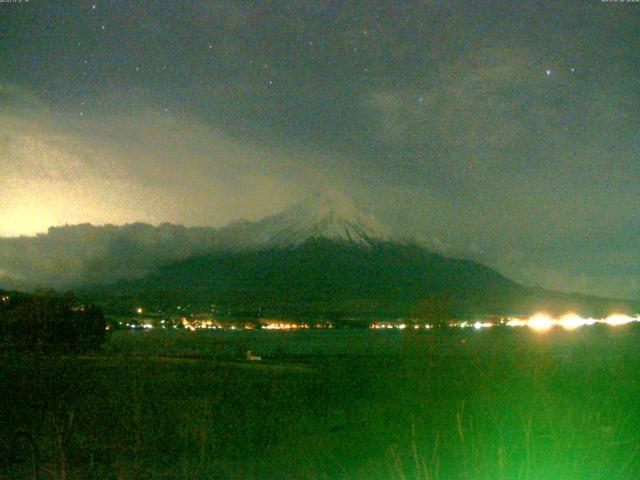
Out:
{"x": 342, "y": 279}
{"x": 320, "y": 257}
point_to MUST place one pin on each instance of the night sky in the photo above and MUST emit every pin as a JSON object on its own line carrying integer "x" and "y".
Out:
{"x": 506, "y": 132}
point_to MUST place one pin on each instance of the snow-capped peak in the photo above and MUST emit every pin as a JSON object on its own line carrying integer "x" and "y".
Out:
{"x": 331, "y": 216}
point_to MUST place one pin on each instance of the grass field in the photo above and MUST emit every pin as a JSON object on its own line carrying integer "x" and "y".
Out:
{"x": 345, "y": 404}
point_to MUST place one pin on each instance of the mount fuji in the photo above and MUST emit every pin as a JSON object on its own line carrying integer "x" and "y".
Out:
{"x": 323, "y": 257}
{"x": 329, "y": 216}
{"x": 320, "y": 257}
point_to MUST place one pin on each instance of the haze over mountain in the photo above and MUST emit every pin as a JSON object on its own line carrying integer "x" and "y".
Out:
{"x": 506, "y": 129}
{"x": 331, "y": 216}
{"x": 84, "y": 254}
{"x": 322, "y": 256}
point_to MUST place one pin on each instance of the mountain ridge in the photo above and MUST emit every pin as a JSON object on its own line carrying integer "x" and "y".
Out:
{"x": 321, "y": 256}
{"x": 341, "y": 279}
{"x": 76, "y": 255}
{"x": 330, "y": 216}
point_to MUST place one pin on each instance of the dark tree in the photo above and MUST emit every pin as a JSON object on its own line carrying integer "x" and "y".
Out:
{"x": 48, "y": 323}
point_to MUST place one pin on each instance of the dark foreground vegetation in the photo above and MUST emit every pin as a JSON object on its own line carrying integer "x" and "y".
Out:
{"x": 46, "y": 322}
{"x": 445, "y": 404}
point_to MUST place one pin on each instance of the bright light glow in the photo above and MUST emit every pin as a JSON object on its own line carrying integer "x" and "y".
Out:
{"x": 516, "y": 322}
{"x": 541, "y": 322}
{"x": 571, "y": 321}
{"x": 479, "y": 325}
{"x": 139, "y": 310}
{"x": 278, "y": 326}
{"x": 618, "y": 319}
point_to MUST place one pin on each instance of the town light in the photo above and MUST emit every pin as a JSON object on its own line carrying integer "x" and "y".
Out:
{"x": 540, "y": 322}
{"x": 571, "y": 321}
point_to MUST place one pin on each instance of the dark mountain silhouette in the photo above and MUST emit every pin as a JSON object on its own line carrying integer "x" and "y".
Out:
{"x": 320, "y": 257}
{"x": 336, "y": 278}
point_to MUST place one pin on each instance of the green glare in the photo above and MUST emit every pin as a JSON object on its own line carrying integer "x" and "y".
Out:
{"x": 445, "y": 403}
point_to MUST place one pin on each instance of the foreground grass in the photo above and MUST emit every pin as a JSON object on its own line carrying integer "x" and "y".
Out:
{"x": 474, "y": 405}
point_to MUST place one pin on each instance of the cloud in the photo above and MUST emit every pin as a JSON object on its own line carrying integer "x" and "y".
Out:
{"x": 518, "y": 160}
{"x": 85, "y": 254}
{"x": 496, "y": 158}
{"x": 135, "y": 164}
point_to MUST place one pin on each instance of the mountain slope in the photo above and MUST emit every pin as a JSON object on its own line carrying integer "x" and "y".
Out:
{"x": 319, "y": 257}
{"x": 338, "y": 278}
{"x": 329, "y": 278}
{"x": 77, "y": 255}
{"x": 329, "y": 216}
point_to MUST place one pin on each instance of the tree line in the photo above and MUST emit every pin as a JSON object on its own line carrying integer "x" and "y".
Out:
{"x": 45, "y": 322}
